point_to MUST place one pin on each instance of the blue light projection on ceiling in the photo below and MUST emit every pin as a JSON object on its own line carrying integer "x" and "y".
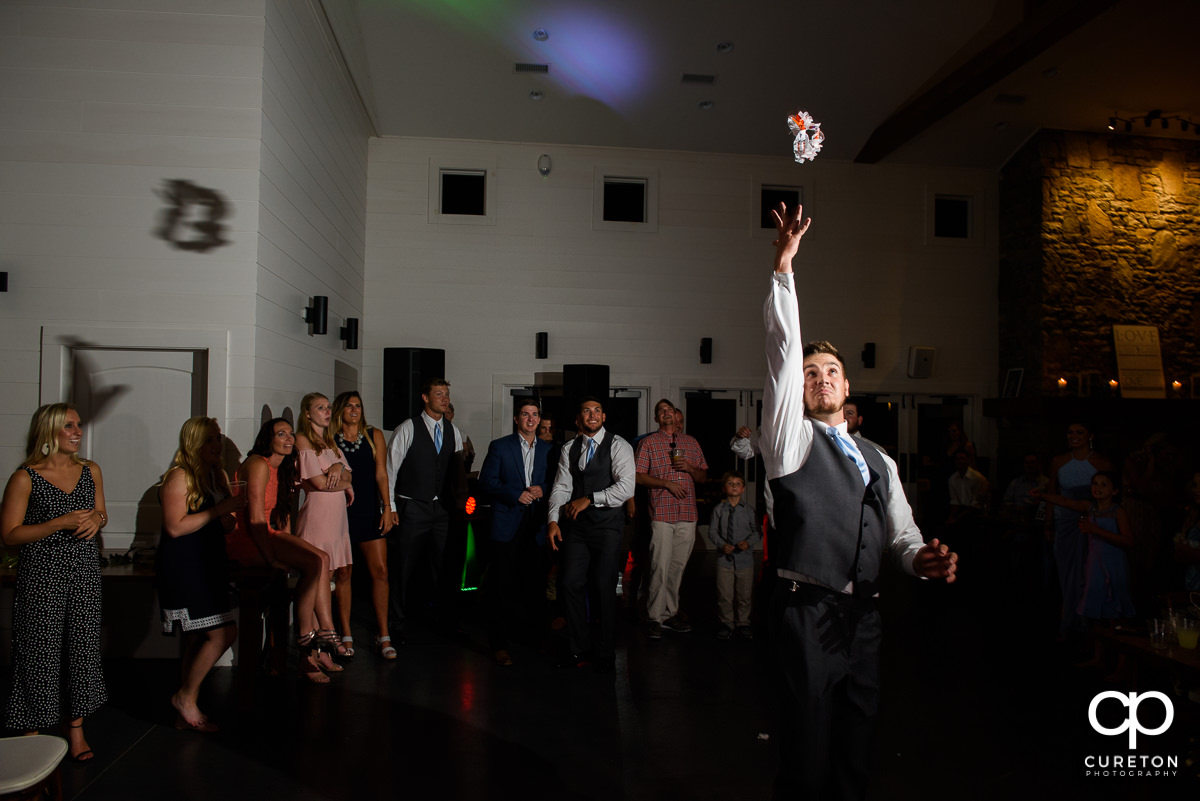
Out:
{"x": 590, "y": 50}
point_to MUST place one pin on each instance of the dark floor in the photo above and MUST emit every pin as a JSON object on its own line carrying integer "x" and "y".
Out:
{"x": 979, "y": 702}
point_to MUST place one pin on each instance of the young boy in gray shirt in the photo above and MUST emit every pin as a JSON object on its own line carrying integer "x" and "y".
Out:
{"x": 734, "y": 531}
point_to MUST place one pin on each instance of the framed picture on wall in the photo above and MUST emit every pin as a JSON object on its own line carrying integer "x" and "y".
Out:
{"x": 1012, "y": 382}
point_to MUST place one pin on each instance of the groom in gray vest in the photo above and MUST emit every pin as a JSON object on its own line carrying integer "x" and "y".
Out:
{"x": 839, "y": 508}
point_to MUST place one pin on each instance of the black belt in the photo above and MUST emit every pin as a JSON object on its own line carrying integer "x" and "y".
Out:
{"x": 838, "y": 625}
{"x": 803, "y": 592}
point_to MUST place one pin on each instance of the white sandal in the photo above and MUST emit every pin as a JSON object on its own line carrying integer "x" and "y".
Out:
{"x": 384, "y": 644}
{"x": 348, "y": 644}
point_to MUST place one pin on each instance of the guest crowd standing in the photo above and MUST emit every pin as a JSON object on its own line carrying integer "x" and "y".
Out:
{"x": 1071, "y": 477}
{"x": 734, "y": 532}
{"x": 596, "y": 475}
{"x": 54, "y": 508}
{"x": 516, "y": 477}
{"x": 670, "y": 463}
{"x": 326, "y": 480}
{"x": 193, "y": 576}
{"x": 370, "y": 516}
{"x": 419, "y": 457}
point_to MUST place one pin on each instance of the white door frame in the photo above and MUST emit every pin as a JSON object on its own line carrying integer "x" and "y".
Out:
{"x": 60, "y": 341}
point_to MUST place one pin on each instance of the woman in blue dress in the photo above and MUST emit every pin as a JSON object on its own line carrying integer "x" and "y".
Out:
{"x": 1106, "y": 595}
{"x": 1070, "y": 477}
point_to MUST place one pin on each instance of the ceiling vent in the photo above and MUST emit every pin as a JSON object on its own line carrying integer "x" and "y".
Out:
{"x": 1009, "y": 100}
{"x": 703, "y": 80}
{"x": 540, "y": 68}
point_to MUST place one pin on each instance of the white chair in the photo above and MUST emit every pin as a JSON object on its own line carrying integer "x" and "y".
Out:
{"x": 29, "y": 767}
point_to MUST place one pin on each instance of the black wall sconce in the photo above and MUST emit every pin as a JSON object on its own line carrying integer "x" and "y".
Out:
{"x": 317, "y": 315}
{"x": 541, "y": 345}
{"x": 706, "y": 350}
{"x": 349, "y": 333}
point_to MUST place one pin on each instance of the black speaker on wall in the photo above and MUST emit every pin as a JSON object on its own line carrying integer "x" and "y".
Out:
{"x": 582, "y": 380}
{"x": 404, "y": 371}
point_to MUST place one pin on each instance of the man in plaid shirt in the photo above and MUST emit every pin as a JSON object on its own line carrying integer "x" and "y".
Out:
{"x": 669, "y": 463}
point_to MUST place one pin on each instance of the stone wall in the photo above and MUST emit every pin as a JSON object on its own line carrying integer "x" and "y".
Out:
{"x": 1117, "y": 243}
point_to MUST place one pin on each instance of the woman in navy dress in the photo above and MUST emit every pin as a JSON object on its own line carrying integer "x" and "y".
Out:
{"x": 370, "y": 514}
{"x": 193, "y": 577}
{"x": 54, "y": 508}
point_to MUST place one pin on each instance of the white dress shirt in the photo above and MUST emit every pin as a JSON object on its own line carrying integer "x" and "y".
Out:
{"x": 402, "y": 439}
{"x": 787, "y": 432}
{"x": 624, "y": 475}
{"x": 528, "y": 451}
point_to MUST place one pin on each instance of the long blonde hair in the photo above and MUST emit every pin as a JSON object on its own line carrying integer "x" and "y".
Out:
{"x": 304, "y": 426}
{"x": 339, "y": 406}
{"x": 202, "y": 481}
{"x": 42, "y": 440}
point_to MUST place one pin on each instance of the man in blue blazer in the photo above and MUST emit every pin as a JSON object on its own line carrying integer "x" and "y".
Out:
{"x": 516, "y": 479}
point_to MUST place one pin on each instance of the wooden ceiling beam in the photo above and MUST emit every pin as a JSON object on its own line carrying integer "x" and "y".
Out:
{"x": 1052, "y": 23}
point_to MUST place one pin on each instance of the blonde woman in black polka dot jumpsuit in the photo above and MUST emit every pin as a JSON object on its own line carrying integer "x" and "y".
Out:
{"x": 54, "y": 508}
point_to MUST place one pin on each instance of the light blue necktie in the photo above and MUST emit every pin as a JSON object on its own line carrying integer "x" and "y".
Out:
{"x": 437, "y": 437}
{"x": 848, "y": 448}
{"x": 591, "y": 451}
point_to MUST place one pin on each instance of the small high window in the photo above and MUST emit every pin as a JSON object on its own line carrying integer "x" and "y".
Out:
{"x": 771, "y": 196}
{"x": 463, "y": 192}
{"x": 624, "y": 200}
{"x": 952, "y": 217}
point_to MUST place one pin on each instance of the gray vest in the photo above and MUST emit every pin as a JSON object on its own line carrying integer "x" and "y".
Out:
{"x": 596, "y": 478}
{"x": 828, "y": 526}
{"x": 422, "y": 474}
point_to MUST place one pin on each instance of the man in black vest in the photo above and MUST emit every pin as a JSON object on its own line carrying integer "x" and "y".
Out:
{"x": 418, "y": 455}
{"x": 596, "y": 476}
{"x": 839, "y": 508}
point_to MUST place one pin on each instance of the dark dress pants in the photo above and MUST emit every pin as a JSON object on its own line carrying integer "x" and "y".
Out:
{"x": 825, "y": 653}
{"x": 416, "y": 544}
{"x": 591, "y": 555}
{"x": 516, "y": 586}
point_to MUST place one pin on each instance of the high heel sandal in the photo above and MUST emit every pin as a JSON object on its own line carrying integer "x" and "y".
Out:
{"x": 83, "y": 756}
{"x": 328, "y": 644}
{"x": 308, "y": 665}
{"x": 329, "y": 641}
{"x": 384, "y": 644}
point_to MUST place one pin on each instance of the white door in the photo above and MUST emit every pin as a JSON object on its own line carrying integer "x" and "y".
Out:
{"x": 133, "y": 402}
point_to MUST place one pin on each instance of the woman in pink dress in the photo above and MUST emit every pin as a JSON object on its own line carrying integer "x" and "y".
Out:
{"x": 325, "y": 479}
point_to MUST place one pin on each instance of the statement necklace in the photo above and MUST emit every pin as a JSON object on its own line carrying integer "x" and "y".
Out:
{"x": 346, "y": 447}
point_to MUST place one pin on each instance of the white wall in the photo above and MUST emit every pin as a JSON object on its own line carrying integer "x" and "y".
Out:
{"x": 641, "y": 302}
{"x": 100, "y": 105}
{"x": 313, "y": 211}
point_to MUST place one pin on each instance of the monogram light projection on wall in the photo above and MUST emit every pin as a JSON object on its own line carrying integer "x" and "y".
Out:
{"x": 192, "y": 219}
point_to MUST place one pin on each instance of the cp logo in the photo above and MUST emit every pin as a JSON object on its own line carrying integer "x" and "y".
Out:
{"x": 1131, "y": 723}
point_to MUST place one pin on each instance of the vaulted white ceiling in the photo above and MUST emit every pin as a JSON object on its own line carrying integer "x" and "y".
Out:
{"x": 946, "y": 82}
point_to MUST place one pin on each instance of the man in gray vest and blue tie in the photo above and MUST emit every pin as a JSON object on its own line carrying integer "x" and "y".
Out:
{"x": 418, "y": 456}
{"x": 596, "y": 475}
{"x": 839, "y": 508}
